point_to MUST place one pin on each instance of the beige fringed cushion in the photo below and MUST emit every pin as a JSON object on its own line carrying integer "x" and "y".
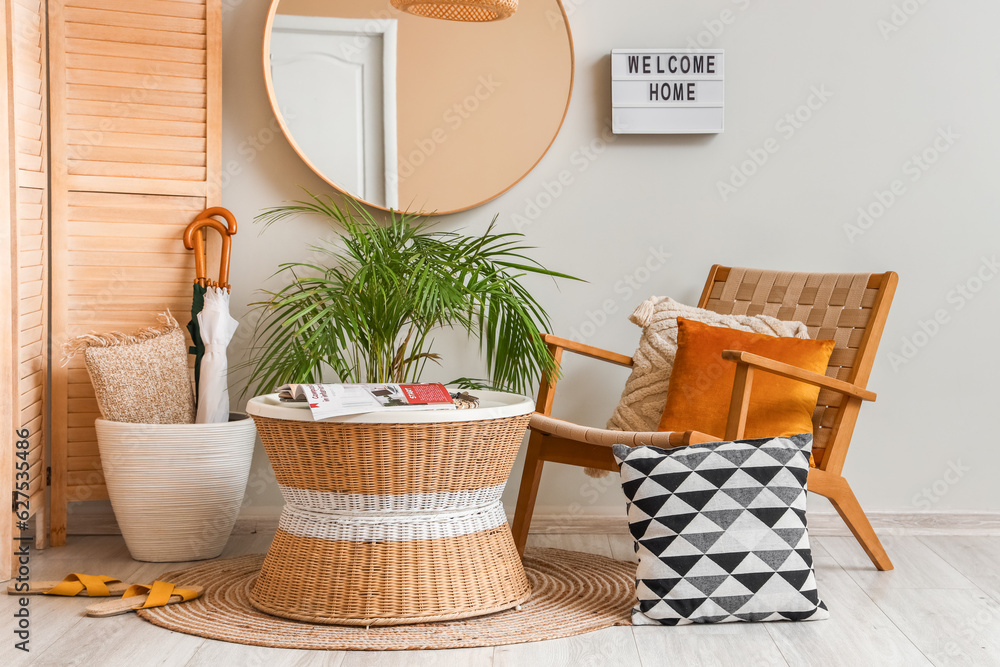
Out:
{"x": 645, "y": 395}
{"x": 140, "y": 378}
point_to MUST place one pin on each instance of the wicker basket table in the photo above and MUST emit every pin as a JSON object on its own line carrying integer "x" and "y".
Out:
{"x": 392, "y": 518}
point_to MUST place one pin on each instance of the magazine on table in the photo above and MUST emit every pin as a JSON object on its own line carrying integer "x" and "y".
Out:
{"x": 337, "y": 400}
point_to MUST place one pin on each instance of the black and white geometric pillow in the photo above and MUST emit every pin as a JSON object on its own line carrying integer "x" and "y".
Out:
{"x": 720, "y": 531}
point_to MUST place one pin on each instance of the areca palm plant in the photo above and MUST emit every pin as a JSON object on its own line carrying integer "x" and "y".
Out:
{"x": 368, "y": 308}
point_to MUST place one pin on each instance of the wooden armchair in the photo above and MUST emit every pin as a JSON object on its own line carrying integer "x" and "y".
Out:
{"x": 848, "y": 308}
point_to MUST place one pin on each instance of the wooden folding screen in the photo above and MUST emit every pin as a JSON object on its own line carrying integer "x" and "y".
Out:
{"x": 7, "y": 281}
{"x": 136, "y": 152}
{"x": 25, "y": 181}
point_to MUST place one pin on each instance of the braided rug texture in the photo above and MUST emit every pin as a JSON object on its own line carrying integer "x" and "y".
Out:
{"x": 572, "y": 593}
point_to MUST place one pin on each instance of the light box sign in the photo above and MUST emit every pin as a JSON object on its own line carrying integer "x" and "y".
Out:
{"x": 667, "y": 91}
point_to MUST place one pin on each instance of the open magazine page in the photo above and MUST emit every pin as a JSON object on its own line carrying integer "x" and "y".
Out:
{"x": 336, "y": 400}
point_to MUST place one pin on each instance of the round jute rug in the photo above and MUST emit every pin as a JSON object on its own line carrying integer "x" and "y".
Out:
{"x": 572, "y": 593}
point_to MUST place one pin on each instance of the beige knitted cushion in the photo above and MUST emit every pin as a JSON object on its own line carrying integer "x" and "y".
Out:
{"x": 141, "y": 378}
{"x": 645, "y": 395}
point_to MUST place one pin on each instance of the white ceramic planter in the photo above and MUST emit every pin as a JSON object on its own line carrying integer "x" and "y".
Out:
{"x": 176, "y": 489}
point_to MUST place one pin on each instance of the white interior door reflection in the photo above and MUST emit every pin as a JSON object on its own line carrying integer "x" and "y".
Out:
{"x": 335, "y": 85}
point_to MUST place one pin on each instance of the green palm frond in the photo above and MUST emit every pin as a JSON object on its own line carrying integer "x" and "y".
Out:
{"x": 369, "y": 313}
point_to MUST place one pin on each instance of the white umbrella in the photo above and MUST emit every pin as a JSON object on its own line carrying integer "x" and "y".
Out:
{"x": 217, "y": 329}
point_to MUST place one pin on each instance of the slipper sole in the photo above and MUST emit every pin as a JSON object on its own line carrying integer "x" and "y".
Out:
{"x": 42, "y": 587}
{"x": 124, "y": 605}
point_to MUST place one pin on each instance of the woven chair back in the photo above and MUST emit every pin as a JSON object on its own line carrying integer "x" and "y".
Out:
{"x": 844, "y": 307}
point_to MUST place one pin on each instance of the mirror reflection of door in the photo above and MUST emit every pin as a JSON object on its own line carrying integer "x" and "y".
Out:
{"x": 477, "y": 105}
{"x": 335, "y": 83}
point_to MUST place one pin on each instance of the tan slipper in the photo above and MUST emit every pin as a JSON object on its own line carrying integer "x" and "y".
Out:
{"x": 74, "y": 584}
{"x": 160, "y": 594}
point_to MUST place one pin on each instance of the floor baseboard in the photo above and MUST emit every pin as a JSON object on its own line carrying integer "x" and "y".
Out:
{"x": 886, "y": 524}
{"x": 104, "y": 523}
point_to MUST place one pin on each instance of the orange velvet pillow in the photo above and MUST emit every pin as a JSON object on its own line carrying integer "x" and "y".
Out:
{"x": 701, "y": 385}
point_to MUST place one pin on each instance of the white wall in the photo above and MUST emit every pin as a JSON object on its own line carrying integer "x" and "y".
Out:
{"x": 631, "y": 197}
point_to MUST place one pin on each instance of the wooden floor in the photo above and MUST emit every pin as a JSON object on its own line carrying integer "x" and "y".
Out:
{"x": 941, "y": 606}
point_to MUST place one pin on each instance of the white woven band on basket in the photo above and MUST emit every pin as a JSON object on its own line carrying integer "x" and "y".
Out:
{"x": 391, "y": 528}
{"x": 324, "y": 501}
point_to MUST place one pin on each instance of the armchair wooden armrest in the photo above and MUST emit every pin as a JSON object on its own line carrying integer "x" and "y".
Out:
{"x": 796, "y": 373}
{"x": 556, "y": 345}
{"x": 747, "y": 363}
{"x": 587, "y": 350}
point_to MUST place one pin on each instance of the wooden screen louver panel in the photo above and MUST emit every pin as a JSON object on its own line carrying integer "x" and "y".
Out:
{"x": 8, "y": 281}
{"x": 28, "y": 131}
{"x": 118, "y": 92}
{"x": 136, "y": 151}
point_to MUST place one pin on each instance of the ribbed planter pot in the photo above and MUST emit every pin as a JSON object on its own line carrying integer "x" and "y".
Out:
{"x": 176, "y": 489}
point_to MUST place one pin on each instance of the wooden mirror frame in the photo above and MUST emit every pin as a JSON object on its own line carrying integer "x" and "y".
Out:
{"x": 269, "y": 85}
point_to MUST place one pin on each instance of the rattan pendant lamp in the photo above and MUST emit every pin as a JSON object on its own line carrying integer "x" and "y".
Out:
{"x": 476, "y": 11}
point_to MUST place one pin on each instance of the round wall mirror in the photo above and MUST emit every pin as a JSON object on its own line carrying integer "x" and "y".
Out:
{"x": 412, "y": 113}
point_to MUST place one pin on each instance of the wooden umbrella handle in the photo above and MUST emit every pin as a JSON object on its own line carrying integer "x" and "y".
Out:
{"x": 223, "y": 213}
{"x": 194, "y": 240}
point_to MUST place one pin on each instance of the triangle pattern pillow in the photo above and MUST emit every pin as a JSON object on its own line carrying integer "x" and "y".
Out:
{"x": 720, "y": 531}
